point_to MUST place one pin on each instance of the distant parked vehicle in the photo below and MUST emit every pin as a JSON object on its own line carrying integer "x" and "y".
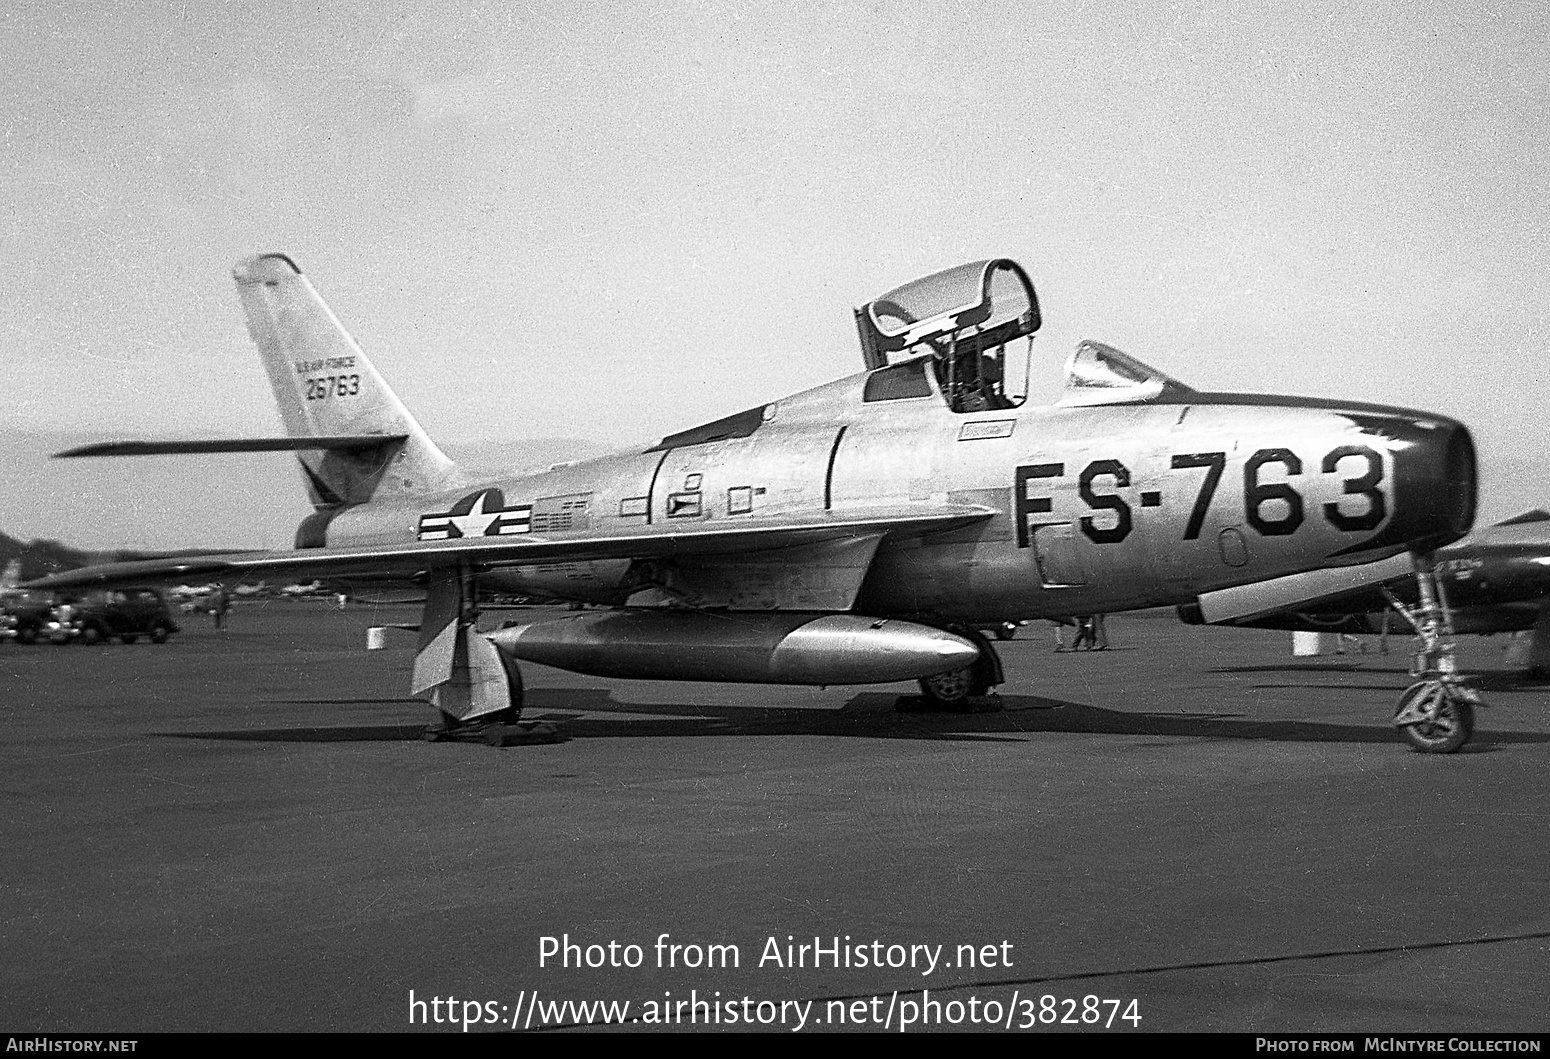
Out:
{"x": 25, "y": 616}
{"x": 125, "y": 613}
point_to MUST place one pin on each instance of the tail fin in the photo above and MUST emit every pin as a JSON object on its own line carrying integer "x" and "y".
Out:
{"x": 326, "y": 386}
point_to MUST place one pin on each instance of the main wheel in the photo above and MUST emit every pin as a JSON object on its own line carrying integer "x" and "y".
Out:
{"x": 1450, "y": 727}
{"x": 1006, "y": 631}
{"x": 159, "y": 633}
{"x": 948, "y": 690}
{"x": 435, "y": 733}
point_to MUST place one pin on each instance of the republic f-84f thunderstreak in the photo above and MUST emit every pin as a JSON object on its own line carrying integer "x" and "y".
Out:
{"x": 858, "y": 532}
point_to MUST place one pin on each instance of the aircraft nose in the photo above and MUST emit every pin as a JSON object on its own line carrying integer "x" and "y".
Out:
{"x": 1434, "y": 480}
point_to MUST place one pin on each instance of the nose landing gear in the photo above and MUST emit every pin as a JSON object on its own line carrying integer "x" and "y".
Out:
{"x": 1436, "y": 714}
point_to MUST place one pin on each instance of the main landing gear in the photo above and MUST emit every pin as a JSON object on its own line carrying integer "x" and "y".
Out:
{"x": 965, "y": 690}
{"x": 500, "y": 728}
{"x": 475, "y": 689}
{"x": 1436, "y": 714}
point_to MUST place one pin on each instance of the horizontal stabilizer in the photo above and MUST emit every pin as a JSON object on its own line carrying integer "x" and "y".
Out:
{"x": 1536, "y": 515}
{"x": 1298, "y": 591}
{"x": 413, "y": 557}
{"x": 347, "y": 442}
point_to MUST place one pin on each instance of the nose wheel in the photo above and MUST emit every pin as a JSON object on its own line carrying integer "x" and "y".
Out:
{"x": 1436, "y": 714}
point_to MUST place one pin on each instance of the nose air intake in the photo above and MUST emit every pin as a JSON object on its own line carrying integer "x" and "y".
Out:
{"x": 1434, "y": 486}
{"x": 1459, "y": 478}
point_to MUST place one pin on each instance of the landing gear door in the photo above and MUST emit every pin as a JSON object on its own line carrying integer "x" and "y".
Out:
{"x": 1055, "y": 552}
{"x": 1044, "y": 524}
{"x": 1076, "y": 515}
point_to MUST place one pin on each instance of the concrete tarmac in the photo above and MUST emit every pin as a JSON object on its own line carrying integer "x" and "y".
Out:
{"x": 244, "y": 831}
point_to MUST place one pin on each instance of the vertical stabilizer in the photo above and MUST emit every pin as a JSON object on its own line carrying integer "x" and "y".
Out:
{"x": 326, "y": 385}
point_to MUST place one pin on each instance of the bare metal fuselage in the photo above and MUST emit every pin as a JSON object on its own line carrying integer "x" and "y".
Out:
{"x": 1097, "y": 507}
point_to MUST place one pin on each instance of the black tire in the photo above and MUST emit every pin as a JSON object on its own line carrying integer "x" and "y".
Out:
{"x": 27, "y": 634}
{"x": 91, "y": 634}
{"x": 513, "y": 713}
{"x": 129, "y": 638}
{"x": 159, "y": 633}
{"x": 1006, "y": 631}
{"x": 948, "y": 691}
{"x": 1454, "y": 723}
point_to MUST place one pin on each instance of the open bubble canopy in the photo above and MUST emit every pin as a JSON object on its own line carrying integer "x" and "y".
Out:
{"x": 979, "y": 307}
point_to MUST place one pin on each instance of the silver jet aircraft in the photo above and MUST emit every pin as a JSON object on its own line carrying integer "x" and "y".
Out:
{"x": 858, "y": 532}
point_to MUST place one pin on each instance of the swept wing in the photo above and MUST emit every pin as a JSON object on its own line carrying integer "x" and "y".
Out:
{"x": 485, "y": 552}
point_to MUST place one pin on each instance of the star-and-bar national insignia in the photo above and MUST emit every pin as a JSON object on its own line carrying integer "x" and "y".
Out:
{"x": 483, "y": 514}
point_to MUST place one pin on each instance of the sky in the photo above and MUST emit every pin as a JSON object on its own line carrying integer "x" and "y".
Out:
{"x": 561, "y": 229}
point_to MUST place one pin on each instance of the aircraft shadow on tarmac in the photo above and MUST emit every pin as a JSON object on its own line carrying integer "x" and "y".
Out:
{"x": 1507, "y": 681}
{"x": 869, "y": 715}
{"x": 1317, "y": 667}
{"x": 1510, "y": 680}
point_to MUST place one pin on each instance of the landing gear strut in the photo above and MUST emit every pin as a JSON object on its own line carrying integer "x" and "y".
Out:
{"x": 1436, "y": 714}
